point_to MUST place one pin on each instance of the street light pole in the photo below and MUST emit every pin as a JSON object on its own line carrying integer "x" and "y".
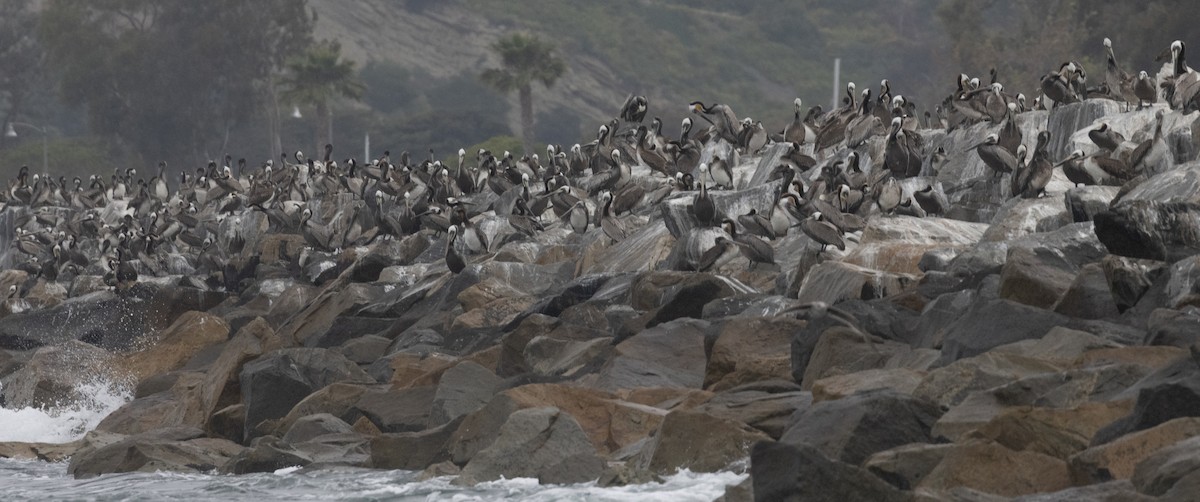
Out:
{"x": 11, "y": 132}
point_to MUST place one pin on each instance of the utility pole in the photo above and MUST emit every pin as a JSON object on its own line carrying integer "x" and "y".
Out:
{"x": 837, "y": 82}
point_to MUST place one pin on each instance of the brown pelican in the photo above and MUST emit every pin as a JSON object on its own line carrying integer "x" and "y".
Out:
{"x": 1010, "y": 136}
{"x": 932, "y": 201}
{"x": 1152, "y": 155}
{"x": 888, "y": 196}
{"x": 454, "y": 261}
{"x": 578, "y": 217}
{"x": 1145, "y": 90}
{"x": 702, "y": 205}
{"x": 753, "y": 248}
{"x": 1031, "y": 181}
{"x": 720, "y": 174}
{"x": 797, "y": 158}
{"x": 634, "y": 109}
{"x": 995, "y": 156}
{"x": 1056, "y": 85}
{"x": 757, "y": 224}
{"x": 727, "y": 125}
{"x": 1094, "y": 170}
{"x": 798, "y": 131}
{"x": 1106, "y": 138}
{"x": 822, "y": 232}
{"x": 1184, "y": 85}
{"x": 1118, "y": 82}
{"x": 903, "y": 151}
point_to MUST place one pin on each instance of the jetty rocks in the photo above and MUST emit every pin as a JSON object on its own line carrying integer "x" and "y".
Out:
{"x": 998, "y": 348}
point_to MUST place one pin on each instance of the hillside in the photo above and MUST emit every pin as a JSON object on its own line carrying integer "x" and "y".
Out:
{"x": 673, "y": 52}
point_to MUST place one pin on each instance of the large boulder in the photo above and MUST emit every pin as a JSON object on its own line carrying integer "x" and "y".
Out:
{"x": 698, "y": 442}
{"x": 272, "y": 384}
{"x": 991, "y": 468}
{"x": 766, "y": 406}
{"x": 174, "y": 346}
{"x": 1169, "y": 393}
{"x": 543, "y": 443}
{"x": 852, "y": 428}
{"x": 56, "y": 375}
{"x": 462, "y": 389}
{"x": 1153, "y": 230}
{"x": 398, "y": 410}
{"x": 153, "y": 453}
{"x": 832, "y": 282}
{"x": 1119, "y": 458}
{"x": 412, "y": 450}
{"x": 750, "y": 350}
{"x": 667, "y": 355}
{"x": 785, "y": 472}
{"x": 897, "y": 244}
{"x": 1160, "y": 472}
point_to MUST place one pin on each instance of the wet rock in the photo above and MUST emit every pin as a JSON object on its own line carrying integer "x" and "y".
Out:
{"x": 152, "y": 454}
{"x": 1183, "y": 285}
{"x": 785, "y": 472}
{"x": 1020, "y": 217}
{"x": 337, "y": 399}
{"x": 667, "y": 355}
{"x": 1128, "y": 278}
{"x": 267, "y": 454}
{"x": 1085, "y": 202}
{"x": 698, "y": 442}
{"x": 412, "y": 450}
{"x": 365, "y": 349}
{"x": 1174, "y": 328}
{"x": 1153, "y": 230}
{"x": 852, "y": 428}
{"x": 1181, "y": 184}
{"x": 751, "y": 350}
{"x": 675, "y": 295}
{"x": 833, "y": 282}
{"x": 677, "y": 214}
{"x": 537, "y": 442}
{"x": 897, "y": 244}
{"x": 103, "y": 319}
{"x": 309, "y": 427}
{"x": 55, "y": 375}
{"x": 1064, "y": 120}
{"x": 550, "y": 356}
{"x": 170, "y": 349}
{"x": 841, "y": 351}
{"x": 272, "y": 384}
{"x": 1119, "y": 458}
{"x": 949, "y": 385}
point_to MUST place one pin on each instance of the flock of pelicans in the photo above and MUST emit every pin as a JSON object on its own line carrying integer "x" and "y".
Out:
{"x": 126, "y": 225}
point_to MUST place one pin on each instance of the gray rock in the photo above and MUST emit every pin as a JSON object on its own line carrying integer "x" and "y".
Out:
{"x": 1153, "y": 230}
{"x": 311, "y": 426}
{"x": 1064, "y": 120}
{"x": 677, "y": 214}
{"x": 854, "y": 427}
{"x": 152, "y": 454}
{"x": 667, "y": 355}
{"x": 766, "y": 406}
{"x": 1088, "y": 296}
{"x": 1085, "y": 202}
{"x": 1113, "y": 491}
{"x": 1128, "y": 278}
{"x": 462, "y": 389}
{"x": 1159, "y": 473}
{"x": 993, "y": 323}
{"x": 412, "y": 450}
{"x": 532, "y": 443}
{"x": 275, "y": 382}
{"x": 267, "y": 454}
{"x": 785, "y": 472}
{"x": 693, "y": 440}
{"x": 53, "y": 374}
{"x": 1171, "y": 392}
{"x": 398, "y": 410}
{"x": 832, "y": 282}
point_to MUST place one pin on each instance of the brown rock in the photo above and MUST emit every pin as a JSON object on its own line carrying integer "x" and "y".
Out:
{"x": 1056, "y": 432}
{"x": 495, "y": 313}
{"x": 46, "y": 452}
{"x": 1153, "y": 357}
{"x": 337, "y": 399}
{"x": 485, "y": 292}
{"x": 840, "y": 351}
{"x": 1118, "y": 458}
{"x": 188, "y": 335}
{"x": 989, "y": 467}
{"x": 832, "y": 282}
{"x": 1034, "y": 279}
{"x": 54, "y": 374}
{"x": 751, "y": 350}
{"x": 901, "y": 380}
{"x": 610, "y": 423}
{"x": 905, "y": 466}
{"x": 407, "y": 368}
{"x": 697, "y": 441}
{"x": 951, "y": 384}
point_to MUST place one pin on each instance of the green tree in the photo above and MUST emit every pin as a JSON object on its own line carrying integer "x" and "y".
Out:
{"x": 316, "y": 79}
{"x": 22, "y": 72}
{"x": 164, "y": 79}
{"x": 524, "y": 59}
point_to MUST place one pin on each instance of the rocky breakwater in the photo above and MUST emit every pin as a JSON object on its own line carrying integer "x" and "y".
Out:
{"x": 1018, "y": 349}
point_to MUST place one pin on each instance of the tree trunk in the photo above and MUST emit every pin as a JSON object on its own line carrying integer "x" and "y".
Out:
{"x": 526, "y": 93}
{"x": 273, "y": 124}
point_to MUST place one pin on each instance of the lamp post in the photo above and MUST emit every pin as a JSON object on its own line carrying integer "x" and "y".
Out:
{"x": 11, "y": 132}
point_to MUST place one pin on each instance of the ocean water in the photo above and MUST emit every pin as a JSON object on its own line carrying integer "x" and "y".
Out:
{"x": 33, "y": 480}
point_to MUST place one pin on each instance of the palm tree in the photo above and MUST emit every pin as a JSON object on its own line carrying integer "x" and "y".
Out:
{"x": 318, "y": 77}
{"x": 524, "y": 59}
